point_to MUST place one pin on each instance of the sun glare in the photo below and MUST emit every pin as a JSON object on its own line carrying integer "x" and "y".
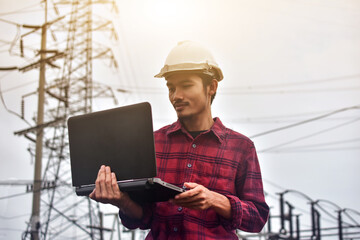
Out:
{"x": 163, "y": 11}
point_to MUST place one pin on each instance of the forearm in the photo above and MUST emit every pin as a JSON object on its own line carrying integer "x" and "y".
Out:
{"x": 130, "y": 208}
{"x": 221, "y": 205}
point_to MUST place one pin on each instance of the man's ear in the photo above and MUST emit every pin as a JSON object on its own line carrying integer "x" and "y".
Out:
{"x": 213, "y": 87}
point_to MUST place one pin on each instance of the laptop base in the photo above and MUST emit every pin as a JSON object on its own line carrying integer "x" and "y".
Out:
{"x": 141, "y": 191}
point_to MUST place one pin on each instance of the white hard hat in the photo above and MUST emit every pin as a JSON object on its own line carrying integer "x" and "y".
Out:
{"x": 190, "y": 56}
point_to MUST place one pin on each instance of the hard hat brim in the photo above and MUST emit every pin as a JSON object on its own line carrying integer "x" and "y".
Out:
{"x": 184, "y": 67}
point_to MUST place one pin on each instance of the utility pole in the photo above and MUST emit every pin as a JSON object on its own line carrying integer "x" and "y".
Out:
{"x": 35, "y": 215}
{"x": 57, "y": 213}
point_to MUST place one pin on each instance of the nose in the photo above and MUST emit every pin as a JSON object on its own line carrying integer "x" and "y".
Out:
{"x": 176, "y": 95}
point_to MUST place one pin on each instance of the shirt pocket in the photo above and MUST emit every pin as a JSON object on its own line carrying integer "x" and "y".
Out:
{"x": 218, "y": 175}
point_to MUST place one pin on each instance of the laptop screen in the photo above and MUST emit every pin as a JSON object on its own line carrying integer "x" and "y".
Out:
{"x": 121, "y": 138}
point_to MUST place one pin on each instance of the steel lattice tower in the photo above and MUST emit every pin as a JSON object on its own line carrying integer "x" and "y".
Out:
{"x": 63, "y": 214}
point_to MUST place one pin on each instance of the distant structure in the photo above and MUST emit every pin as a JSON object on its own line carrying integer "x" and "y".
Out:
{"x": 56, "y": 211}
{"x": 344, "y": 225}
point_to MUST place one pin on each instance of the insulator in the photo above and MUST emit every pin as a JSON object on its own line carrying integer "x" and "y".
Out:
{"x": 115, "y": 36}
{"x": 22, "y": 108}
{"x": 53, "y": 36}
{"x": 56, "y": 9}
{"x": 21, "y": 48}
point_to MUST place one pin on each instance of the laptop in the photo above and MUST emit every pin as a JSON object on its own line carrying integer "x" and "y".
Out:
{"x": 123, "y": 139}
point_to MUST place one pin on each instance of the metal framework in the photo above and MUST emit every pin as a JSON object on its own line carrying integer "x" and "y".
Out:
{"x": 290, "y": 223}
{"x": 61, "y": 214}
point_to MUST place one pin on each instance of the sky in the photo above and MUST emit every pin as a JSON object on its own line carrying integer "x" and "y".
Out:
{"x": 284, "y": 62}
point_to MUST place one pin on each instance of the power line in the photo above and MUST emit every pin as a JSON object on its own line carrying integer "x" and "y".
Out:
{"x": 315, "y": 147}
{"x": 299, "y": 194}
{"x": 280, "y": 121}
{"x": 4, "y": 104}
{"x": 310, "y": 135}
{"x": 255, "y": 89}
{"x": 11, "y": 229}
{"x": 14, "y": 195}
{"x": 306, "y": 121}
{"x": 274, "y": 184}
{"x": 19, "y": 11}
{"x": 301, "y": 150}
{"x": 299, "y": 83}
{"x": 313, "y": 90}
{"x": 281, "y": 118}
{"x": 251, "y": 92}
{"x": 352, "y": 219}
{"x": 22, "y": 11}
{"x": 329, "y": 143}
{"x": 9, "y": 22}
{"x": 45, "y": 186}
{"x": 19, "y": 86}
{"x": 14, "y": 217}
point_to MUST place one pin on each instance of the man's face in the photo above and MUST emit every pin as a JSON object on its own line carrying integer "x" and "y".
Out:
{"x": 188, "y": 95}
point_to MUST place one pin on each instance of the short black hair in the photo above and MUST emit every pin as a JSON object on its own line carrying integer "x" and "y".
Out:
{"x": 207, "y": 79}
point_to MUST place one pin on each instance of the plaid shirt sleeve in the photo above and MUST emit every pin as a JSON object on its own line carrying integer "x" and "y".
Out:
{"x": 143, "y": 223}
{"x": 249, "y": 209}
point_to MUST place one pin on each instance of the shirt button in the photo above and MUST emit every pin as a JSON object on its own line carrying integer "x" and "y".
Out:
{"x": 180, "y": 209}
{"x": 175, "y": 229}
{"x": 189, "y": 165}
{"x": 194, "y": 145}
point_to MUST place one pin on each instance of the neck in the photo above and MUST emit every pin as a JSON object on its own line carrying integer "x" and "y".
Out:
{"x": 192, "y": 124}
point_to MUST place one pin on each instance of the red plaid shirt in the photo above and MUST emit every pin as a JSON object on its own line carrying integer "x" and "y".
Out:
{"x": 220, "y": 159}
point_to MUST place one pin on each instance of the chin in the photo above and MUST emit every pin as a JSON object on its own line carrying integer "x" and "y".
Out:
{"x": 182, "y": 116}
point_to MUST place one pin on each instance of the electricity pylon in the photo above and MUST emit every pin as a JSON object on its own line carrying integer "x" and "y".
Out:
{"x": 57, "y": 212}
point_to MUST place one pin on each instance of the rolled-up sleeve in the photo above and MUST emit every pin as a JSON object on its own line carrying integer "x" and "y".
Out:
{"x": 249, "y": 211}
{"x": 143, "y": 223}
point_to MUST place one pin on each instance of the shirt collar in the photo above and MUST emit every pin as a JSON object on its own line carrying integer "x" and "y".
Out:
{"x": 218, "y": 129}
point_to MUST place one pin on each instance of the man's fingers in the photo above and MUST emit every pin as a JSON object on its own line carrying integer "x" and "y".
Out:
{"x": 98, "y": 182}
{"x": 190, "y": 185}
{"x": 188, "y": 197}
{"x": 106, "y": 188}
{"x": 115, "y": 186}
{"x": 195, "y": 189}
{"x": 186, "y": 202}
{"x": 108, "y": 182}
{"x": 190, "y": 203}
{"x": 100, "y": 170}
{"x": 101, "y": 179}
{"x": 92, "y": 194}
{"x": 189, "y": 193}
{"x": 198, "y": 197}
{"x": 193, "y": 205}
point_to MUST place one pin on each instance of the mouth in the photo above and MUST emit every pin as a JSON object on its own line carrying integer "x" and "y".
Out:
{"x": 180, "y": 106}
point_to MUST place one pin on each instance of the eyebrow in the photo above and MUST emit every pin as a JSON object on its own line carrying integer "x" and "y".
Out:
{"x": 186, "y": 81}
{"x": 181, "y": 82}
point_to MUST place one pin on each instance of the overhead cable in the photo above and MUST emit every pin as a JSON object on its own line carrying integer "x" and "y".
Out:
{"x": 306, "y": 121}
{"x": 4, "y": 104}
{"x": 18, "y": 10}
{"x": 308, "y": 136}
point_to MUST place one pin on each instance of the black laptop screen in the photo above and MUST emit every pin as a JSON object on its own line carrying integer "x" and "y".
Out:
{"x": 121, "y": 138}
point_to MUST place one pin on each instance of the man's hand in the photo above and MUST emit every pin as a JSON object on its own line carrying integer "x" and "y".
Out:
{"x": 106, "y": 188}
{"x": 200, "y": 198}
{"x": 107, "y": 191}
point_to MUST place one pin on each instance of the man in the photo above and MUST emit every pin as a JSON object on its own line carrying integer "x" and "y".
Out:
{"x": 217, "y": 166}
